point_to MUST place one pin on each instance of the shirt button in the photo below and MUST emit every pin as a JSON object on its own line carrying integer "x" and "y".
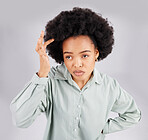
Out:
{"x": 75, "y": 129}
{"x": 79, "y": 106}
{"x": 77, "y": 118}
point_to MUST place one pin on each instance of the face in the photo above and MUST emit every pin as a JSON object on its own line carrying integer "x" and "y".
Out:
{"x": 79, "y": 55}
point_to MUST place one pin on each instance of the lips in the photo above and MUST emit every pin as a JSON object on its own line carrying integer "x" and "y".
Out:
{"x": 78, "y": 72}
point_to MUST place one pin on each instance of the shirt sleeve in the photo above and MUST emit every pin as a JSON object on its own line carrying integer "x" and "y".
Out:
{"x": 128, "y": 112}
{"x": 30, "y": 102}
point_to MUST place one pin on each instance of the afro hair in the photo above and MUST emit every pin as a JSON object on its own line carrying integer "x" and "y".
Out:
{"x": 79, "y": 21}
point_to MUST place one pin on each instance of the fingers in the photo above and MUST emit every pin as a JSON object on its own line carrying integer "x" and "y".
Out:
{"x": 47, "y": 43}
{"x": 41, "y": 52}
{"x": 42, "y": 35}
{"x": 40, "y": 40}
{"x": 41, "y": 48}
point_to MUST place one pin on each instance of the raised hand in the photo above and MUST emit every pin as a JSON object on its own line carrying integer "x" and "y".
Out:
{"x": 44, "y": 59}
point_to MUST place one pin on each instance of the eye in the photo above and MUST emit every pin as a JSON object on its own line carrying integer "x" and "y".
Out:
{"x": 85, "y": 56}
{"x": 68, "y": 57}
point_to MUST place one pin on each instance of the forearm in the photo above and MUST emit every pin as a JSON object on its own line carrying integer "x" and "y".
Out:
{"x": 128, "y": 112}
{"x": 29, "y": 103}
{"x": 41, "y": 74}
{"x": 122, "y": 122}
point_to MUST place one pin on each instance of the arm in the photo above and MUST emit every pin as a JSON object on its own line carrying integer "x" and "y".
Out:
{"x": 128, "y": 112}
{"x": 30, "y": 102}
{"x": 34, "y": 98}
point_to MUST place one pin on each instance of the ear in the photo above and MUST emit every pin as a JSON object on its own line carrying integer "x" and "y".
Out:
{"x": 96, "y": 53}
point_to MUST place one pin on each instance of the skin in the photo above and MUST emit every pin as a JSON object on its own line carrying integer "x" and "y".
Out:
{"x": 74, "y": 61}
{"x": 77, "y": 58}
{"x": 44, "y": 59}
{"x": 79, "y": 53}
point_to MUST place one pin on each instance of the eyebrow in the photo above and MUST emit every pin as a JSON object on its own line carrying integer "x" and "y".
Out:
{"x": 79, "y": 53}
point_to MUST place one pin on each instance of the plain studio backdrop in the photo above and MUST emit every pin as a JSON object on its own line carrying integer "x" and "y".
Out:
{"x": 21, "y": 23}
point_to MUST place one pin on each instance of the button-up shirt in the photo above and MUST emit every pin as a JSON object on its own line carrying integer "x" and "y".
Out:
{"x": 73, "y": 113}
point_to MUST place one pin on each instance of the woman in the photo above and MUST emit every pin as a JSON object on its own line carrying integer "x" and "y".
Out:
{"x": 74, "y": 95}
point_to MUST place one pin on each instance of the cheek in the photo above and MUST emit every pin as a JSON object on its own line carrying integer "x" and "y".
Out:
{"x": 90, "y": 64}
{"x": 90, "y": 60}
{"x": 68, "y": 65}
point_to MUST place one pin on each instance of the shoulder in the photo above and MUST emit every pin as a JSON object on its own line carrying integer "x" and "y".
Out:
{"x": 52, "y": 72}
{"x": 58, "y": 72}
{"x": 110, "y": 85}
{"x": 107, "y": 80}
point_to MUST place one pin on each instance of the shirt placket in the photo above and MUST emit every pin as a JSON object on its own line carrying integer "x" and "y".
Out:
{"x": 76, "y": 118}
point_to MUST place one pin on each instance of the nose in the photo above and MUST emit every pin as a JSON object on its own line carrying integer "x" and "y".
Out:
{"x": 77, "y": 63}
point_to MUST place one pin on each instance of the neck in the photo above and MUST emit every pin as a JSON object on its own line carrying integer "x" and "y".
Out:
{"x": 82, "y": 83}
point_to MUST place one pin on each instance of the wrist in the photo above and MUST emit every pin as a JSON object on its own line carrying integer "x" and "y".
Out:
{"x": 42, "y": 74}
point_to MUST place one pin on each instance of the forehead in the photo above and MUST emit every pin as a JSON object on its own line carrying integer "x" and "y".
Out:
{"x": 80, "y": 42}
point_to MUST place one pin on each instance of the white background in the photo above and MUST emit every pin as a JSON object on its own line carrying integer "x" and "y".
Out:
{"x": 21, "y": 23}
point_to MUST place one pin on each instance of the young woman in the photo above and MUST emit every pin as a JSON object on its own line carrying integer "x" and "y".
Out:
{"x": 75, "y": 97}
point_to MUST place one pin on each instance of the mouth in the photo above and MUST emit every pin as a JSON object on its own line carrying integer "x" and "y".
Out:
{"x": 78, "y": 73}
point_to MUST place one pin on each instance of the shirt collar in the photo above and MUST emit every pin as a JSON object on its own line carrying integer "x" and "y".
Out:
{"x": 62, "y": 73}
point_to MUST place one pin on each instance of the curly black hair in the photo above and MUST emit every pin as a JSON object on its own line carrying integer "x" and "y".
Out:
{"x": 79, "y": 21}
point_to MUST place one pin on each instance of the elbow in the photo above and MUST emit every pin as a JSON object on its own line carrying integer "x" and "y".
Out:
{"x": 21, "y": 120}
{"x": 131, "y": 118}
{"x": 22, "y": 124}
{"x": 137, "y": 117}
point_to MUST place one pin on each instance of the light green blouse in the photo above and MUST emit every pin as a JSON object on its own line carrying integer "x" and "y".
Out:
{"x": 74, "y": 114}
